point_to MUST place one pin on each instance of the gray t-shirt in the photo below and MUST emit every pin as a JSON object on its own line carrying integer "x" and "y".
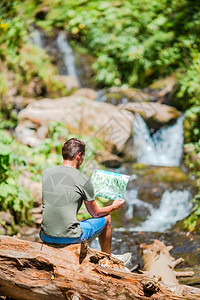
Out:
{"x": 63, "y": 190}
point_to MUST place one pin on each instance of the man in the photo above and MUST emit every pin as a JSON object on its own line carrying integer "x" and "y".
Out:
{"x": 64, "y": 189}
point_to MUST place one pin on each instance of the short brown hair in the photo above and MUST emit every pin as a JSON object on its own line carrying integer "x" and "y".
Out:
{"x": 72, "y": 147}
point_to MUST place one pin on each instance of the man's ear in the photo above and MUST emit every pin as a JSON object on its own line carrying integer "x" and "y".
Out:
{"x": 78, "y": 155}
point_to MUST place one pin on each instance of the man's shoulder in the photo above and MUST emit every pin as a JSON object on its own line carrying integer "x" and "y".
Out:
{"x": 51, "y": 169}
{"x": 84, "y": 178}
{"x": 72, "y": 172}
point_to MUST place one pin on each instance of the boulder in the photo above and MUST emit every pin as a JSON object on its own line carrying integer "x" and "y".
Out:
{"x": 6, "y": 218}
{"x": 71, "y": 83}
{"x": 26, "y": 135}
{"x": 164, "y": 87}
{"x": 108, "y": 159}
{"x": 34, "y": 187}
{"x": 82, "y": 116}
{"x": 132, "y": 94}
{"x": 155, "y": 114}
{"x": 19, "y": 102}
{"x": 88, "y": 93}
{"x": 117, "y": 95}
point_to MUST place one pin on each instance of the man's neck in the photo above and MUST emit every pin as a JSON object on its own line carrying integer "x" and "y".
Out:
{"x": 70, "y": 163}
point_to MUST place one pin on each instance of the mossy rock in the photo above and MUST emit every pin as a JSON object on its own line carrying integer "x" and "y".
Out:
{"x": 114, "y": 98}
{"x": 160, "y": 174}
{"x": 167, "y": 175}
{"x": 115, "y": 95}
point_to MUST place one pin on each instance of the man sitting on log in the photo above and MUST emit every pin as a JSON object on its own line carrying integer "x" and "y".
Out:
{"x": 64, "y": 188}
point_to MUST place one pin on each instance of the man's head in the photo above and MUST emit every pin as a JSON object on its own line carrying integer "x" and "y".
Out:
{"x": 74, "y": 149}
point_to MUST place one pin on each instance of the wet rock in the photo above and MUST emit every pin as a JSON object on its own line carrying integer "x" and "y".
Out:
{"x": 153, "y": 193}
{"x": 155, "y": 114}
{"x": 139, "y": 214}
{"x": 82, "y": 116}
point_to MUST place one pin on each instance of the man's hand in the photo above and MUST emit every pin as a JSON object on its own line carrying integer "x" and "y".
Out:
{"x": 97, "y": 212}
{"x": 118, "y": 203}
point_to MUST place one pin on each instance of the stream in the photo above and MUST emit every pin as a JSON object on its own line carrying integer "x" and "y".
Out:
{"x": 159, "y": 192}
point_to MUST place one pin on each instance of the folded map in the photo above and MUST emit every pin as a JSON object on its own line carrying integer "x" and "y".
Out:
{"x": 109, "y": 185}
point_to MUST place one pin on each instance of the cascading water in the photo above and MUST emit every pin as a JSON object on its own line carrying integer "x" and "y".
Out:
{"x": 37, "y": 38}
{"x": 163, "y": 148}
{"x": 132, "y": 199}
{"x": 174, "y": 206}
{"x": 68, "y": 56}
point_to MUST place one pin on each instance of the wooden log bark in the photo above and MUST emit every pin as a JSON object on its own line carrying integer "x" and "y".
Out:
{"x": 35, "y": 271}
{"x": 158, "y": 263}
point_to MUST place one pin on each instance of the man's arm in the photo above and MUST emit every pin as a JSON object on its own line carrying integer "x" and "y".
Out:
{"x": 97, "y": 211}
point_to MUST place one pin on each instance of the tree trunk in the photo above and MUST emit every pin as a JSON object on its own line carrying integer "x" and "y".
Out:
{"x": 33, "y": 271}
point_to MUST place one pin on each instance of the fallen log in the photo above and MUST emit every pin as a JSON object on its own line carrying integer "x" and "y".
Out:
{"x": 158, "y": 263}
{"x": 35, "y": 271}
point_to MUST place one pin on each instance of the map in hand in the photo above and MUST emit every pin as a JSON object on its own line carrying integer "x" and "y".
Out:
{"x": 109, "y": 185}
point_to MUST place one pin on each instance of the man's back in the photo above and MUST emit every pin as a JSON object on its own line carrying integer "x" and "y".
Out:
{"x": 64, "y": 189}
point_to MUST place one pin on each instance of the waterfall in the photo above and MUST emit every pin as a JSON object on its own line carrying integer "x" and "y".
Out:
{"x": 132, "y": 199}
{"x": 163, "y": 148}
{"x": 37, "y": 38}
{"x": 174, "y": 206}
{"x": 68, "y": 56}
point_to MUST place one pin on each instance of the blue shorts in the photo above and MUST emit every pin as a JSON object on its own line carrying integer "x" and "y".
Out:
{"x": 90, "y": 229}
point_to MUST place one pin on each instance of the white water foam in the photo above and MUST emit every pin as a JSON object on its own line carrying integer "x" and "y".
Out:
{"x": 131, "y": 198}
{"x": 68, "y": 55}
{"x": 163, "y": 148}
{"x": 174, "y": 206}
{"x": 37, "y": 38}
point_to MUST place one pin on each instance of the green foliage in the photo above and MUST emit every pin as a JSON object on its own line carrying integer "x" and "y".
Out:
{"x": 189, "y": 93}
{"x": 192, "y": 222}
{"x": 34, "y": 64}
{"x": 12, "y": 195}
{"x": 191, "y": 124}
{"x": 34, "y": 74}
{"x": 134, "y": 42}
{"x": 192, "y": 157}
